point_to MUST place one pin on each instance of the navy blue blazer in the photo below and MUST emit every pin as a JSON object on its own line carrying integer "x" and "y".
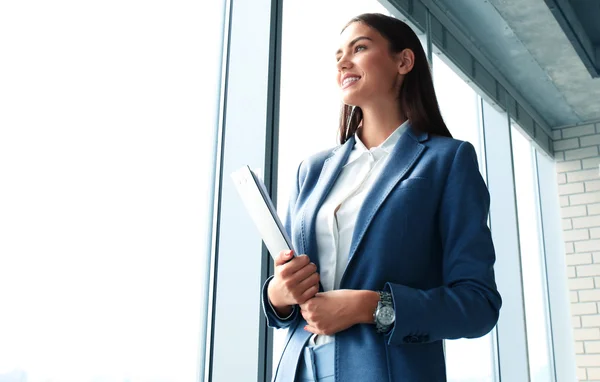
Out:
{"x": 421, "y": 234}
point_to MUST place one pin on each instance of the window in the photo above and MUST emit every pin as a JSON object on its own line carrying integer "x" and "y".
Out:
{"x": 532, "y": 259}
{"x": 561, "y": 329}
{"x": 106, "y": 160}
{"x": 459, "y": 104}
{"x": 466, "y": 360}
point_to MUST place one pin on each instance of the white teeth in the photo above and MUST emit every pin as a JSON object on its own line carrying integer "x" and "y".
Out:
{"x": 349, "y": 79}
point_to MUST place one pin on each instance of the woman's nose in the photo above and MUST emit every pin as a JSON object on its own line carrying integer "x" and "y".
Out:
{"x": 344, "y": 63}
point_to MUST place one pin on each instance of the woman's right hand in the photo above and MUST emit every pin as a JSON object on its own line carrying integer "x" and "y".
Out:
{"x": 295, "y": 281}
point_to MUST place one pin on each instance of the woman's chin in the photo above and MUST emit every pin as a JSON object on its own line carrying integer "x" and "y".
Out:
{"x": 350, "y": 99}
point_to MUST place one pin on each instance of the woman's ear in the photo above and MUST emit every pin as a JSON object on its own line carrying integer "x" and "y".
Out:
{"x": 405, "y": 60}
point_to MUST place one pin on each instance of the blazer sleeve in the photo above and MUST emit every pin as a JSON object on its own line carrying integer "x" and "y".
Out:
{"x": 468, "y": 303}
{"x": 273, "y": 319}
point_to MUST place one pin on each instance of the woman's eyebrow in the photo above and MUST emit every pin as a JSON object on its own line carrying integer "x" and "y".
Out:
{"x": 354, "y": 42}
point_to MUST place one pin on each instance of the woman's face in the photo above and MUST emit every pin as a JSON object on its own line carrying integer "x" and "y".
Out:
{"x": 367, "y": 72}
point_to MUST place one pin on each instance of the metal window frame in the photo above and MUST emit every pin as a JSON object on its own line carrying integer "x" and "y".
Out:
{"x": 542, "y": 246}
{"x": 237, "y": 333}
{"x": 511, "y": 337}
{"x": 563, "y": 346}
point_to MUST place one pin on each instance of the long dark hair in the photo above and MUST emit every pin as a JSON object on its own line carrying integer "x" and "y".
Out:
{"x": 416, "y": 98}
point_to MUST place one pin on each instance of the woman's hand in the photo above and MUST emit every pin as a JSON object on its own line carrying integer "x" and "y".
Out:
{"x": 331, "y": 312}
{"x": 294, "y": 282}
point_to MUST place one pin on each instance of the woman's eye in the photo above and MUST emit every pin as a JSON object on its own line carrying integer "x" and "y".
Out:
{"x": 357, "y": 49}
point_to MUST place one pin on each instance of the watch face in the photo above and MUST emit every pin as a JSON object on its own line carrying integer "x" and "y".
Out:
{"x": 386, "y": 316}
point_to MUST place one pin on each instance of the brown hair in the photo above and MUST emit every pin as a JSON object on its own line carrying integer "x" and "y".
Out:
{"x": 416, "y": 98}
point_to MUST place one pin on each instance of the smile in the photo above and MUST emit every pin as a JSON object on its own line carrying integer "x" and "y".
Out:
{"x": 348, "y": 81}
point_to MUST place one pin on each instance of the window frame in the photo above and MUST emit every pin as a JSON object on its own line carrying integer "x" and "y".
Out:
{"x": 248, "y": 136}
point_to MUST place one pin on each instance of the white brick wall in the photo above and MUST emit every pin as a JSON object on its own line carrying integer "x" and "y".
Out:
{"x": 578, "y": 157}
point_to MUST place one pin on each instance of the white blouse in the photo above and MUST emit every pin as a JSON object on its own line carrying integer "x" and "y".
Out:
{"x": 337, "y": 216}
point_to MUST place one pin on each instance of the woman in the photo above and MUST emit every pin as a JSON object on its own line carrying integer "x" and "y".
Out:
{"x": 394, "y": 225}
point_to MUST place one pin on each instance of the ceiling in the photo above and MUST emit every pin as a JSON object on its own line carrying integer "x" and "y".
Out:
{"x": 530, "y": 46}
{"x": 580, "y": 20}
{"x": 588, "y": 12}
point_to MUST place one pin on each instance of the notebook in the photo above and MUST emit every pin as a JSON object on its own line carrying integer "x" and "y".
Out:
{"x": 263, "y": 213}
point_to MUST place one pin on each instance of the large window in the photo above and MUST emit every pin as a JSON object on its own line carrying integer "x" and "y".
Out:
{"x": 108, "y": 121}
{"x": 107, "y": 134}
{"x": 532, "y": 259}
{"x": 466, "y": 360}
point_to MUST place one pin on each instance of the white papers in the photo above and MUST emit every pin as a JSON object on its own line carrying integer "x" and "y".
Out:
{"x": 262, "y": 211}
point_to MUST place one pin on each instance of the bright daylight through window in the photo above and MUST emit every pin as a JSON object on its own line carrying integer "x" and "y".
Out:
{"x": 106, "y": 156}
{"x": 532, "y": 259}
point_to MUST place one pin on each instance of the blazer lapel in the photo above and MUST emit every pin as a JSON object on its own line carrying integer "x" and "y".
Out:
{"x": 403, "y": 157}
{"x": 329, "y": 173}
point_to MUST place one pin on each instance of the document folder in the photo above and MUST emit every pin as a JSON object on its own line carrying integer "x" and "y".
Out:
{"x": 262, "y": 211}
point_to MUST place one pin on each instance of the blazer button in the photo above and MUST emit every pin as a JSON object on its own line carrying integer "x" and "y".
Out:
{"x": 411, "y": 339}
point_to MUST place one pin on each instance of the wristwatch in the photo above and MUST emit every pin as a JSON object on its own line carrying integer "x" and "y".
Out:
{"x": 384, "y": 316}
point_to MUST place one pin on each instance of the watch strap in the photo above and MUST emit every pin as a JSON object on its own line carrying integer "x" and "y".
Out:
{"x": 385, "y": 298}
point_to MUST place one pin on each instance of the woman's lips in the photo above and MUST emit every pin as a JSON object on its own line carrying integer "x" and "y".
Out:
{"x": 349, "y": 81}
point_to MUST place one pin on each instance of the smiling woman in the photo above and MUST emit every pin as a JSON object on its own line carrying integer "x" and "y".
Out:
{"x": 358, "y": 226}
{"x": 377, "y": 49}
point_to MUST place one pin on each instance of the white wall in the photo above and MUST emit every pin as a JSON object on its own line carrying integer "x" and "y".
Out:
{"x": 577, "y": 153}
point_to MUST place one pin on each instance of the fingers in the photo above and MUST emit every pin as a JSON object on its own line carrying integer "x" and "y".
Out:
{"x": 303, "y": 273}
{"x": 301, "y": 279}
{"x": 283, "y": 257}
{"x": 304, "y": 289}
{"x": 293, "y": 266}
{"x": 308, "y": 294}
{"x": 313, "y": 330}
{"x": 297, "y": 279}
{"x": 308, "y": 282}
{"x": 314, "y": 326}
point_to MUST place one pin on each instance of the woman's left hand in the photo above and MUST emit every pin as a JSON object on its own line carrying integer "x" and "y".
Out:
{"x": 330, "y": 312}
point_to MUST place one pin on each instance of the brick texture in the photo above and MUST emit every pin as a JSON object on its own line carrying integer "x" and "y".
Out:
{"x": 577, "y": 151}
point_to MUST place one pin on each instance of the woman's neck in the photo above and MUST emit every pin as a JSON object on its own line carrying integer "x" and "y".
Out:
{"x": 379, "y": 123}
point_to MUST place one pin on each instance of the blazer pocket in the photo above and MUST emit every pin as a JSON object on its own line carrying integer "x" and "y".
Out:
{"x": 415, "y": 182}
